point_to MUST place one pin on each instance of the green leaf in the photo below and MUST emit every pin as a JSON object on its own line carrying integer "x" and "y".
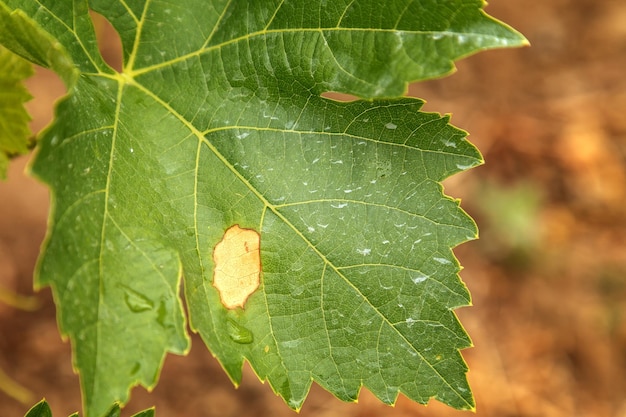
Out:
{"x": 217, "y": 120}
{"x": 26, "y": 38}
{"x": 14, "y": 130}
{"x": 42, "y": 409}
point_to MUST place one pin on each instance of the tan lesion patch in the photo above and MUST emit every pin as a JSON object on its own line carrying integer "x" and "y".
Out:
{"x": 237, "y": 260}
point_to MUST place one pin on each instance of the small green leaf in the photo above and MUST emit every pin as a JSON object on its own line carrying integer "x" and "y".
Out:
{"x": 42, "y": 409}
{"x": 14, "y": 130}
{"x": 25, "y": 37}
{"x": 218, "y": 120}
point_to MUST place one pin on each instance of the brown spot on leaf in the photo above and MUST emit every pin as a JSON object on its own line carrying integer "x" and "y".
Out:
{"x": 237, "y": 261}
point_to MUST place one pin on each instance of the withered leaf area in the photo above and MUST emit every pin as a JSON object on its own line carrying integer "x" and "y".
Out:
{"x": 237, "y": 266}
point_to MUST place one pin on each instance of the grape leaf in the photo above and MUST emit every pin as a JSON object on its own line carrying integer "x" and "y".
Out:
{"x": 14, "y": 130}
{"x": 218, "y": 121}
{"x": 42, "y": 409}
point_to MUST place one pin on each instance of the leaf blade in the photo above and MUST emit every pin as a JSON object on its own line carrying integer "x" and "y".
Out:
{"x": 225, "y": 126}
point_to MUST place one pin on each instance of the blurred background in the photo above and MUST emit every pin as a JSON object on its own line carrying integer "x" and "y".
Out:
{"x": 548, "y": 276}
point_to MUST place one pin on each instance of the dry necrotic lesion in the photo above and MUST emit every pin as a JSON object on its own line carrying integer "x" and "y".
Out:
{"x": 237, "y": 262}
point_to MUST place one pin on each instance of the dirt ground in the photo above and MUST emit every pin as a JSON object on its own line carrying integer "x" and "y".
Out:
{"x": 548, "y": 275}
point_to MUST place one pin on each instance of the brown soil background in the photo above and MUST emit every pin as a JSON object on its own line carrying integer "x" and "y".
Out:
{"x": 548, "y": 275}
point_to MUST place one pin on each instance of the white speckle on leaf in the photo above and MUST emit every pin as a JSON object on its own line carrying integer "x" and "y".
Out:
{"x": 364, "y": 252}
{"x": 310, "y": 229}
{"x": 464, "y": 167}
{"x": 339, "y": 206}
{"x": 391, "y": 126}
{"x": 419, "y": 278}
{"x": 291, "y": 343}
{"x": 337, "y": 162}
{"x": 299, "y": 290}
{"x": 243, "y": 135}
{"x": 410, "y": 322}
{"x": 442, "y": 261}
{"x": 347, "y": 191}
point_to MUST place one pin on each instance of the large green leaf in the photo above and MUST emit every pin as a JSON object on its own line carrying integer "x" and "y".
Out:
{"x": 218, "y": 120}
